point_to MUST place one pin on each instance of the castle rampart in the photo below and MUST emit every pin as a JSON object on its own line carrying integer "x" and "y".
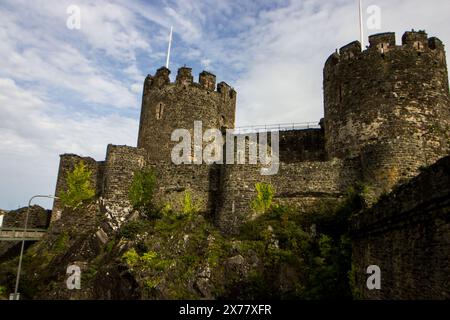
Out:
{"x": 406, "y": 235}
{"x": 299, "y": 184}
{"x": 387, "y": 113}
{"x": 120, "y": 165}
{"x": 168, "y": 106}
{"x": 67, "y": 164}
{"x": 387, "y": 119}
{"x": 388, "y": 97}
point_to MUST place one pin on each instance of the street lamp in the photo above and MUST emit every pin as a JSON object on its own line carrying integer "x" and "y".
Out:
{"x": 15, "y": 295}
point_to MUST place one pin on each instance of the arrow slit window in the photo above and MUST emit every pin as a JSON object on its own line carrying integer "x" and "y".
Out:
{"x": 159, "y": 110}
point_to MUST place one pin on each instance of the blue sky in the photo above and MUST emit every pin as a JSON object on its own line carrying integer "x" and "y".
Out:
{"x": 75, "y": 91}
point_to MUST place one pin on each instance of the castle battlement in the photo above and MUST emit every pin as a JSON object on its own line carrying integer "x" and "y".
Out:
{"x": 383, "y": 45}
{"x": 381, "y": 103}
{"x": 387, "y": 113}
{"x": 185, "y": 80}
{"x": 167, "y": 106}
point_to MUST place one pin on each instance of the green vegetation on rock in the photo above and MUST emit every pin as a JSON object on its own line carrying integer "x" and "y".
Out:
{"x": 189, "y": 205}
{"x": 141, "y": 191}
{"x": 79, "y": 186}
{"x": 282, "y": 253}
{"x": 263, "y": 200}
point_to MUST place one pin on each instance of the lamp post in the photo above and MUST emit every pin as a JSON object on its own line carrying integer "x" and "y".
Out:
{"x": 15, "y": 295}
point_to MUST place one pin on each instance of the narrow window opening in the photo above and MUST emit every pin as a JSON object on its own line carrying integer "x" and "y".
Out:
{"x": 159, "y": 111}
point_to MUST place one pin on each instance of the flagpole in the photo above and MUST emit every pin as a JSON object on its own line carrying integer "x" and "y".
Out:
{"x": 361, "y": 25}
{"x": 168, "y": 49}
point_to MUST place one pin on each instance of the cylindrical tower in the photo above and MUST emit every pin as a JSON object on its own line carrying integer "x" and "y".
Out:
{"x": 168, "y": 106}
{"x": 389, "y": 104}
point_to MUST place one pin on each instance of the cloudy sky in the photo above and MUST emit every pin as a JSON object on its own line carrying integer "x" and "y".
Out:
{"x": 76, "y": 90}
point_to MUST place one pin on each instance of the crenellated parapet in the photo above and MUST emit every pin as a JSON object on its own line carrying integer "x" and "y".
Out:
{"x": 207, "y": 81}
{"x": 167, "y": 106}
{"x": 389, "y": 101}
{"x": 387, "y": 113}
{"x": 185, "y": 79}
{"x": 414, "y": 43}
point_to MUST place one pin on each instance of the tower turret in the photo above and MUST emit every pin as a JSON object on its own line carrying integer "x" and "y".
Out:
{"x": 168, "y": 106}
{"x": 389, "y": 104}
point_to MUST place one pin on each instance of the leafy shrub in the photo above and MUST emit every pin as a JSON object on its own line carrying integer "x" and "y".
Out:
{"x": 142, "y": 190}
{"x": 131, "y": 257}
{"x": 148, "y": 261}
{"x": 151, "y": 283}
{"x": 189, "y": 206}
{"x": 79, "y": 186}
{"x": 134, "y": 227}
{"x": 314, "y": 246}
{"x": 148, "y": 257}
{"x": 3, "y": 291}
{"x": 109, "y": 246}
{"x": 61, "y": 242}
{"x": 264, "y": 195}
{"x": 167, "y": 210}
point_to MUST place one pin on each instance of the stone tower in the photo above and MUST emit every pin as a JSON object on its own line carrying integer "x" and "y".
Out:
{"x": 389, "y": 105}
{"x": 168, "y": 106}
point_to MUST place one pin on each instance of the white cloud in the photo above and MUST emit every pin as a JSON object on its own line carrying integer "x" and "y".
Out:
{"x": 40, "y": 56}
{"x": 74, "y": 91}
{"x": 34, "y": 133}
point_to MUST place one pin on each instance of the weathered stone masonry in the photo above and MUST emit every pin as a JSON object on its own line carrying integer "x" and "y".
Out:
{"x": 388, "y": 104}
{"x": 407, "y": 235}
{"x": 387, "y": 113}
{"x": 111, "y": 178}
{"x": 67, "y": 164}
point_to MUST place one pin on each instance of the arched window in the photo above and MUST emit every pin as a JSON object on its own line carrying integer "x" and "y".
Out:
{"x": 159, "y": 110}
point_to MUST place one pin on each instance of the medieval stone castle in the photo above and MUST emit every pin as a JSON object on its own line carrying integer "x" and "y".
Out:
{"x": 387, "y": 114}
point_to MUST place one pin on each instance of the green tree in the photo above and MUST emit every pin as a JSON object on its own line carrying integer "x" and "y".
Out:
{"x": 79, "y": 186}
{"x": 141, "y": 191}
{"x": 264, "y": 195}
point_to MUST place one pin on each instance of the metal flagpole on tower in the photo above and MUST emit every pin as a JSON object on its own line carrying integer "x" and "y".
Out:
{"x": 361, "y": 25}
{"x": 168, "y": 49}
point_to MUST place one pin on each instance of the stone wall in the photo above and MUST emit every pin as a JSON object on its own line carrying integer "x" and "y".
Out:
{"x": 299, "y": 184}
{"x": 120, "y": 165}
{"x": 168, "y": 106}
{"x": 407, "y": 234}
{"x": 38, "y": 218}
{"x": 302, "y": 145}
{"x": 391, "y": 102}
{"x": 67, "y": 164}
{"x": 174, "y": 181}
